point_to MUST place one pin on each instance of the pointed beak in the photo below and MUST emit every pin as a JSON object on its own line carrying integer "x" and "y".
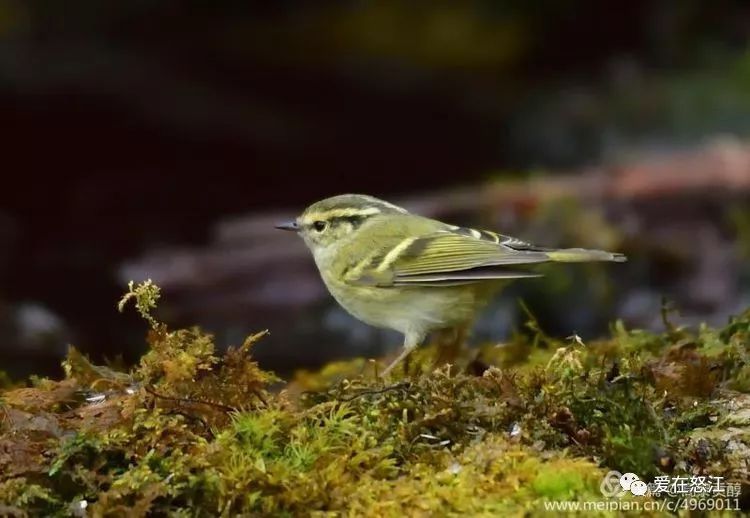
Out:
{"x": 289, "y": 225}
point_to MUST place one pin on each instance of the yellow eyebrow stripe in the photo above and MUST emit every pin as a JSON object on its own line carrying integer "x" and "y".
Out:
{"x": 339, "y": 213}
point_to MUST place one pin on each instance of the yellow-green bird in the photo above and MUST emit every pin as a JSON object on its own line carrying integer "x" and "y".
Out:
{"x": 397, "y": 270}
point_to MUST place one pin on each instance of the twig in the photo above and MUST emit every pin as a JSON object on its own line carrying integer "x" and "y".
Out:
{"x": 225, "y": 408}
{"x": 395, "y": 386}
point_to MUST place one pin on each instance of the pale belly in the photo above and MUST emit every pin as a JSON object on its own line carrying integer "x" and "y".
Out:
{"x": 416, "y": 310}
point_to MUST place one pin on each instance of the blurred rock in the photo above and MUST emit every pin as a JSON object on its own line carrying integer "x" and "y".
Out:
{"x": 37, "y": 326}
{"x": 31, "y": 335}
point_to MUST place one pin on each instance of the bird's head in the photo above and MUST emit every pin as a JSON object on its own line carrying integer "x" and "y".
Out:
{"x": 332, "y": 220}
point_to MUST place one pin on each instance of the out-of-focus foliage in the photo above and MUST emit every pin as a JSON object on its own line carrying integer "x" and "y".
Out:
{"x": 631, "y": 110}
{"x": 500, "y": 431}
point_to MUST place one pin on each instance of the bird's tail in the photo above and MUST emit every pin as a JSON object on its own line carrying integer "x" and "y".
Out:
{"x": 581, "y": 255}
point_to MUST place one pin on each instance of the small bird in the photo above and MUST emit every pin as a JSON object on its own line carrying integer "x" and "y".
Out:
{"x": 401, "y": 271}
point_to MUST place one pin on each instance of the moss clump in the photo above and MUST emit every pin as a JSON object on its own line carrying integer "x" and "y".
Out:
{"x": 190, "y": 432}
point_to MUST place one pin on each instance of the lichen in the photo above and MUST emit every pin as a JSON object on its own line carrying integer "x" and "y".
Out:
{"x": 189, "y": 431}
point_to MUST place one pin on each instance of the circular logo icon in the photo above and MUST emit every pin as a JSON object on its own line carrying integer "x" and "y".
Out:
{"x": 638, "y": 488}
{"x": 627, "y": 480}
{"x": 610, "y": 485}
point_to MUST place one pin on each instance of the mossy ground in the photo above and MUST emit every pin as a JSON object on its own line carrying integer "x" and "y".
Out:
{"x": 505, "y": 428}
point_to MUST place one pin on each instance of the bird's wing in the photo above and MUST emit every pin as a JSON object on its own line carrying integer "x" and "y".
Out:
{"x": 446, "y": 257}
{"x": 460, "y": 255}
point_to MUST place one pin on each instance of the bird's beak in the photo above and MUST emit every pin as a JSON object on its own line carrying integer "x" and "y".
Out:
{"x": 289, "y": 225}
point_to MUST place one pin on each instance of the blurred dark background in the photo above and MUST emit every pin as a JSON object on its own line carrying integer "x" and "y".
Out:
{"x": 162, "y": 139}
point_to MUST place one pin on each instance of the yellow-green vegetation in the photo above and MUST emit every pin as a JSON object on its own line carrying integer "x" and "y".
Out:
{"x": 505, "y": 428}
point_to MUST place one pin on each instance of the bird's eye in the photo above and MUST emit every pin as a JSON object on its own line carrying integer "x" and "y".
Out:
{"x": 319, "y": 226}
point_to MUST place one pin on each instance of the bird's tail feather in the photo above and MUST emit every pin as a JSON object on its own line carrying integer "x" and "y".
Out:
{"x": 581, "y": 255}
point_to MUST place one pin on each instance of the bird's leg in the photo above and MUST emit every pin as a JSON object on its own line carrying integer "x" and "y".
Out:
{"x": 407, "y": 364}
{"x": 411, "y": 341}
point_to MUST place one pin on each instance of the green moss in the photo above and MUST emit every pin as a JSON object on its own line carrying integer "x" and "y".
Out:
{"x": 190, "y": 432}
{"x": 558, "y": 484}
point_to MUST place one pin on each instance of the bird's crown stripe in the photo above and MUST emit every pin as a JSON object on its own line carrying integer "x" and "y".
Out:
{"x": 385, "y": 204}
